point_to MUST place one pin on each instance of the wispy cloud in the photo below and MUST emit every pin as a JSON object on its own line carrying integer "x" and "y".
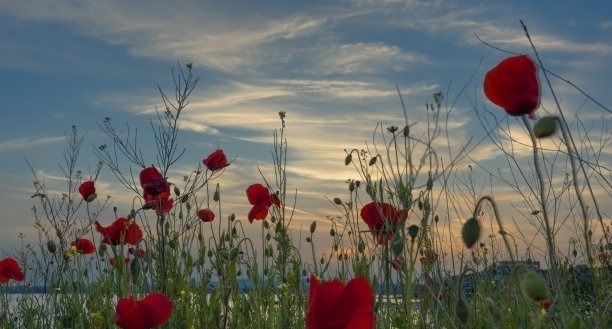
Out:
{"x": 29, "y": 142}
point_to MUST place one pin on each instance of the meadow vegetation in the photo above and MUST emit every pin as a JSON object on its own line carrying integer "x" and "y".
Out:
{"x": 178, "y": 259}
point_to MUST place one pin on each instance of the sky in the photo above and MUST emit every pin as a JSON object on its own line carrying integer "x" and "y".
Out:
{"x": 334, "y": 67}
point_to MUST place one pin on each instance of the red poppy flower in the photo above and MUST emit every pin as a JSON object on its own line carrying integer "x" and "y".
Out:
{"x": 10, "y": 270}
{"x": 121, "y": 227}
{"x": 137, "y": 252}
{"x": 382, "y": 219}
{"x": 88, "y": 191}
{"x": 514, "y": 86}
{"x": 332, "y": 305}
{"x": 162, "y": 203}
{"x": 153, "y": 182}
{"x": 261, "y": 199}
{"x": 206, "y": 215}
{"x": 84, "y": 246}
{"x": 216, "y": 161}
{"x": 152, "y": 311}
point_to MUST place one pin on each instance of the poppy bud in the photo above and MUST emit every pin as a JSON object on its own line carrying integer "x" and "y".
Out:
{"x": 177, "y": 191}
{"x": 332, "y": 232}
{"x": 351, "y": 186}
{"x": 313, "y": 227}
{"x": 234, "y": 254}
{"x": 51, "y": 246}
{"x": 534, "y": 286}
{"x": 545, "y": 127}
{"x": 348, "y": 159}
{"x": 361, "y": 246}
{"x": 338, "y": 201}
{"x": 373, "y": 161}
{"x": 397, "y": 244}
{"x": 406, "y": 131}
{"x": 308, "y": 239}
{"x": 461, "y": 311}
{"x": 102, "y": 249}
{"x": 216, "y": 196}
{"x": 413, "y": 231}
{"x": 470, "y": 232}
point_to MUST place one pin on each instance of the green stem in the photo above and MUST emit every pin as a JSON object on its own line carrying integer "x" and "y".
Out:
{"x": 542, "y": 200}
{"x": 572, "y": 153}
{"x": 499, "y": 222}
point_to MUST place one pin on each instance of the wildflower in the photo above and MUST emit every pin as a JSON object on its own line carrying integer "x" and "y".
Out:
{"x": 216, "y": 161}
{"x": 161, "y": 203}
{"x": 333, "y": 305}
{"x": 514, "y": 86}
{"x": 152, "y": 181}
{"x": 261, "y": 199}
{"x": 206, "y": 215}
{"x": 10, "y": 270}
{"x": 120, "y": 228}
{"x": 83, "y": 246}
{"x": 153, "y": 310}
{"x": 382, "y": 219}
{"x": 88, "y": 191}
{"x": 137, "y": 252}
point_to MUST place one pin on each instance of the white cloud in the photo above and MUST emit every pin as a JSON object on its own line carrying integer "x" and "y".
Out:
{"x": 29, "y": 142}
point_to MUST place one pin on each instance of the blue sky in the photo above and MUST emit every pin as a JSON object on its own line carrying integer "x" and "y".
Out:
{"x": 332, "y": 66}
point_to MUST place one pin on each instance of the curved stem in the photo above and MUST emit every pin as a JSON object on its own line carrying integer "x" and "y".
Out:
{"x": 498, "y": 219}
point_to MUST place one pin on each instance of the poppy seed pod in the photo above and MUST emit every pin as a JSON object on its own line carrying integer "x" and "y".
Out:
{"x": 413, "y": 231}
{"x": 470, "y": 232}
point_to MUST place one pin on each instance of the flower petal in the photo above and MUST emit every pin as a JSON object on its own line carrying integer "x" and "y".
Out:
{"x": 257, "y": 194}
